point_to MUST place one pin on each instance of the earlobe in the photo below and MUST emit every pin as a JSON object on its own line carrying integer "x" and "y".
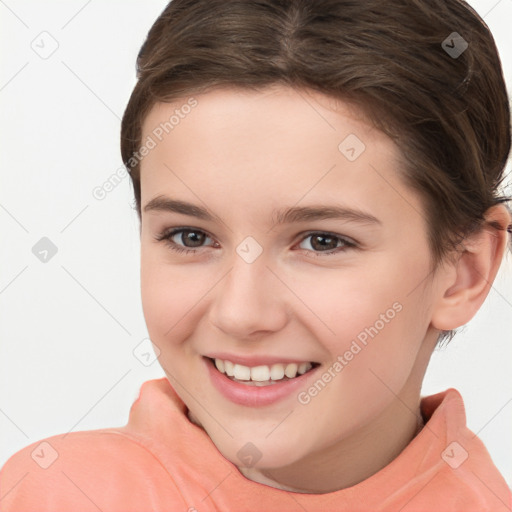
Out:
{"x": 469, "y": 279}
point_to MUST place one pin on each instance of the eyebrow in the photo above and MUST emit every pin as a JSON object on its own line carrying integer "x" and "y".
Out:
{"x": 166, "y": 204}
{"x": 282, "y": 216}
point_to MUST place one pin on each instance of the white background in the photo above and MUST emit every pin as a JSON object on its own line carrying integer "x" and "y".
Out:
{"x": 69, "y": 326}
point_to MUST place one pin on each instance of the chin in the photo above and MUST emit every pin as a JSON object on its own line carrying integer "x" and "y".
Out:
{"x": 256, "y": 455}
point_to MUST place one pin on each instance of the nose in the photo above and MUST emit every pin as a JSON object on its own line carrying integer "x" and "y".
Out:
{"x": 250, "y": 301}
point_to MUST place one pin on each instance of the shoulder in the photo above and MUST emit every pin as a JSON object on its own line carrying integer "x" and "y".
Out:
{"x": 462, "y": 473}
{"x": 103, "y": 469}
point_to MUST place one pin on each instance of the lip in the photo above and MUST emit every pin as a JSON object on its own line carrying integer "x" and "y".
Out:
{"x": 255, "y": 396}
{"x": 255, "y": 360}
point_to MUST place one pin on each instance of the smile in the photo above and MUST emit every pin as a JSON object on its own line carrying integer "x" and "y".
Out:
{"x": 262, "y": 374}
{"x": 270, "y": 384}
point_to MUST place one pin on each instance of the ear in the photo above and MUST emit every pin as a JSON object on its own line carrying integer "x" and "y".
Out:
{"x": 467, "y": 281}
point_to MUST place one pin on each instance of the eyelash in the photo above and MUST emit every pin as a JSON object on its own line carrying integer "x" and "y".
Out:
{"x": 167, "y": 234}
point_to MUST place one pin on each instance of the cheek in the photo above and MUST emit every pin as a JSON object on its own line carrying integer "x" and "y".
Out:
{"x": 347, "y": 302}
{"x": 170, "y": 295}
{"x": 371, "y": 362}
{"x": 379, "y": 369}
{"x": 372, "y": 326}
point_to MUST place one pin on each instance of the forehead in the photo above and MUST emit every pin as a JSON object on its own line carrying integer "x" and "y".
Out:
{"x": 259, "y": 149}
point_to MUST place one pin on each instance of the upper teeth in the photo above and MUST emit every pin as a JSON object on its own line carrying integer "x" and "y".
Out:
{"x": 262, "y": 373}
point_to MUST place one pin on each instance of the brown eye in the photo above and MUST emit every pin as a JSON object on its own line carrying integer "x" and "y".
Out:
{"x": 183, "y": 240}
{"x": 326, "y": 243}
{"x": 191, "y": 238}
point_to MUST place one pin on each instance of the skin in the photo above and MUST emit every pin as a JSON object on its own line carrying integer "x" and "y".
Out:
{"x": 242, "y": 155}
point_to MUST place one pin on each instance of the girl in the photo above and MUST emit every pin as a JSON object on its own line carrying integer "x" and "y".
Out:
{"x": 318, "y": 191}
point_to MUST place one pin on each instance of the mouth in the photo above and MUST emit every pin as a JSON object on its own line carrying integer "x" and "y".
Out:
{"x": 262, "y": 385}
{"x": 262, "y": 375}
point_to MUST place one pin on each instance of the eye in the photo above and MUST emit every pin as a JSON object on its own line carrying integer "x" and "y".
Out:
{"x": 327, "y": 244}
{"x": 191, "y": 239}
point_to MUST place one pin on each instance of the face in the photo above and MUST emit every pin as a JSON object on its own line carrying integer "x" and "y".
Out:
{"x": 247, "y": 283}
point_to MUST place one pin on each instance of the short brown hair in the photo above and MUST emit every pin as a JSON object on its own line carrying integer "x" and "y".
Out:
{"x": 448, "y": 114}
